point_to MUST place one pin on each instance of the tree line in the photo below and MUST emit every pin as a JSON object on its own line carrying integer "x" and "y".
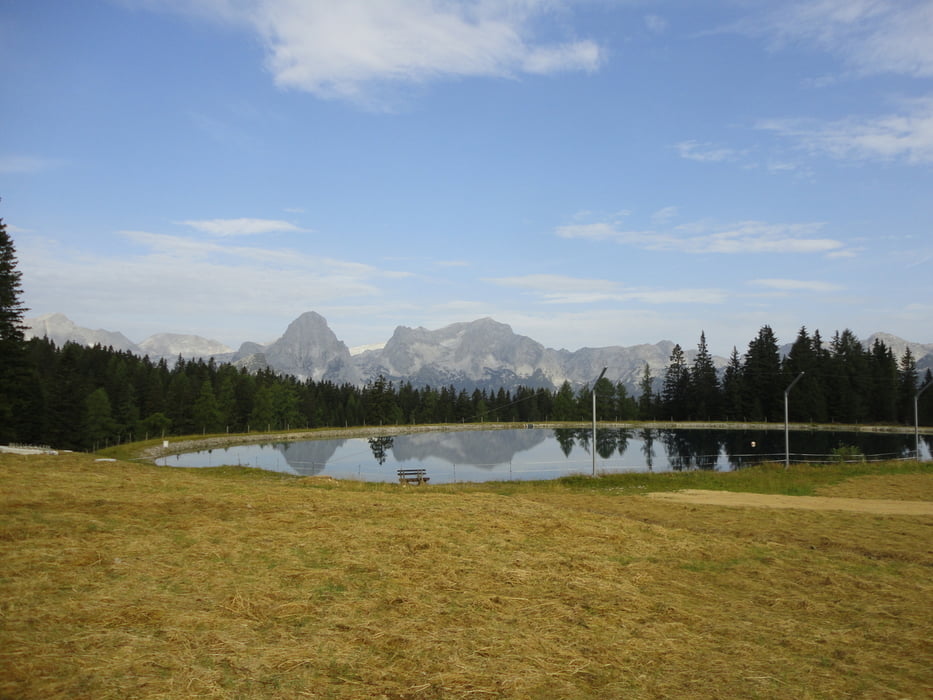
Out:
{"x": 78, "y": 397}
{"x": 836, "y": 382}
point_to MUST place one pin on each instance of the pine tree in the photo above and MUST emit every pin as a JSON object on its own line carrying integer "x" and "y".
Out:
{"x": 733, "y": 389}
{"x": 882, "y": 396}
{"x": 676, "y": 388}
{"x": 907, "y": 387}
{"x": 848, "y": 378}
{"x": 763, "y": 380}
{"x": 809, "y": 401}
{"x": 13, "y": 357}
{"x": 704, "y": 384}
{"x": 646, "y": 400}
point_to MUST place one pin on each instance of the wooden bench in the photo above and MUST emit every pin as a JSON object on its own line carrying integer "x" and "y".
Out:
{"x": 413, "y": 476}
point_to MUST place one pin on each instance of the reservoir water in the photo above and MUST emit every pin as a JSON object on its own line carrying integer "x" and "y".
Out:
{"x": 545, "y": 453}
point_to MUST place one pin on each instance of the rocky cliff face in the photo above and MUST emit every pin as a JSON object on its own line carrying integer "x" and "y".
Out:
{"x": 488, "y": 354}
{"x": 482, "y": 353}
{"x": 310, "y": 350}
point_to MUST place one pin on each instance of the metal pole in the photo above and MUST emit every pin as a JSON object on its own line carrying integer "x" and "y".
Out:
{"x": 917, "y": 421}
{"x": 786, "y": 427}
{"x": 593, "y": 447}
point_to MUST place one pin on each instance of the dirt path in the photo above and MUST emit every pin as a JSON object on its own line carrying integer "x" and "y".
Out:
{"x": 758, "y": 500}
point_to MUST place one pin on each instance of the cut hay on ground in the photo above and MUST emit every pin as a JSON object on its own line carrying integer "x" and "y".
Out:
{"x": 123, "y": 580}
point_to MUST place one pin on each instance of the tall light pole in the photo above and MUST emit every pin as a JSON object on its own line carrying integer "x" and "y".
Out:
{"x": 786, "y": 428}
{"x": 594, "y": 417}
{"x": 916, "y": 419}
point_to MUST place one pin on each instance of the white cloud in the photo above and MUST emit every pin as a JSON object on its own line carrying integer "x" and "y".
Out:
{"x": 351, "y": 48}
{"x": 174, "y": 281}
{"x": 707, "y": 152}
{"x": 241, "y": 227}
{"x": 907, "y": 136}
{"x": 703, "y": 237}
{"x": 871, "y": 36}
{"x": 788, "y": 285}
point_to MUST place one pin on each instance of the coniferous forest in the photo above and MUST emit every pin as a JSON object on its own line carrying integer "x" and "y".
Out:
{"x": 77, "y": 397}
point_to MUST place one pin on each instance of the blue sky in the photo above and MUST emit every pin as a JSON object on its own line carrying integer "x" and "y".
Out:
{"x": 592, "y": 173}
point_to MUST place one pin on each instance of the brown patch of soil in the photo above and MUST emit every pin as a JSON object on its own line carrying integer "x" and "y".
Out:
{"x": 759, "y": 500}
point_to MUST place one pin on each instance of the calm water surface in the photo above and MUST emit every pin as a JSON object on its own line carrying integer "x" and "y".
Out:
{"x": 501, "y": 455}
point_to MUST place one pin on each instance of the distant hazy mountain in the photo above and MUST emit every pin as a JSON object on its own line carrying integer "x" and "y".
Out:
{"x": 482, "y": 354}
{"x": 174, "y": 344}
{"x": 488, "y": 354}
{"x": 60, "y": 330}
{"x": 922, "y": 352}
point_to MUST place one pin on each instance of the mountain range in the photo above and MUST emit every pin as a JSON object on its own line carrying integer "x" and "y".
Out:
{"x": 482, "y": 354}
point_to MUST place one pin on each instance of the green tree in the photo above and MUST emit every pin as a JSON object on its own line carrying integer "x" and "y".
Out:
{"x": 263, "y": 414}
{"x": 13, "y": 357}
{"x": 285, "y": 402}
{"x": 883, "y": 380}
{"x": 206, "y": 413}
{"x": 155, "y": 425}
{"x": 704, "y": 384}
{"x": 676, "y": 388}
{"x": 907, "y": 387}
{"x": 733, "y": 389}
{"x": 99, "y": 425}
{"x": 809, "y": 400}
{"x": 848, "y": 378}
{"x": 380, "y": 402}
{"x": 647, "y": 402}
{"x": 762, "y": 378}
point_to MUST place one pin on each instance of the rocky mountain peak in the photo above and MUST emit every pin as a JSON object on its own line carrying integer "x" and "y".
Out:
{"x": 309, "y": 349}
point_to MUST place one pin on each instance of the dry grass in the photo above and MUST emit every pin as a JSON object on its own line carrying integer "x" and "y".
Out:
{"x": 123, "y": 580}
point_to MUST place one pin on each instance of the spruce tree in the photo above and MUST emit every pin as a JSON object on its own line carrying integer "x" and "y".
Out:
{"x": 646, "y": 400}
{"x": 809, "y": 400}
{"x": 763, "y": 381}
{"x": 676, "y": 388}
{"x": 704, "y": 384}
{"x": 13, "y": 367}
{"x": 907, "y": 387}
{"x": 733, "y": 388}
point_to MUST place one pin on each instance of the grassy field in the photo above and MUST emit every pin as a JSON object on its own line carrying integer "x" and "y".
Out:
{"x": 120, "y": 579}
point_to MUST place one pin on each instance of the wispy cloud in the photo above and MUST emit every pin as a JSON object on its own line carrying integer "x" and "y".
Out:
{"x": 561, "y": 289}
{"x": 197, "y": 282}
{"x": 242, "y": 227}
{"x": 703, "y": 237}
{"x": 707, "y": 152}
{"x": 663, "y": 216}
{"x": 656, "y": 24}
{"x": 870, "y": 36}
{"x": 789, "y": 285}
{"x": 348, "y": 49}
{"x": 27, "y": 165}
{"x": 907, "y": 136}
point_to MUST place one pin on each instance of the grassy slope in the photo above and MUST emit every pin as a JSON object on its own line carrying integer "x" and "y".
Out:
{"x": 126, "y": 580}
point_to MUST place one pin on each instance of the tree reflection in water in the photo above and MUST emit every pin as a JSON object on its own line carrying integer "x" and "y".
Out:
{"x": 380, "y": 446}
{"x": 646, "y": 435}
{"x": 565, "y": 438}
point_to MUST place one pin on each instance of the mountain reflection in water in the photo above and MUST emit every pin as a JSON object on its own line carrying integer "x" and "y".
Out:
{"x": 483, "y": 455}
